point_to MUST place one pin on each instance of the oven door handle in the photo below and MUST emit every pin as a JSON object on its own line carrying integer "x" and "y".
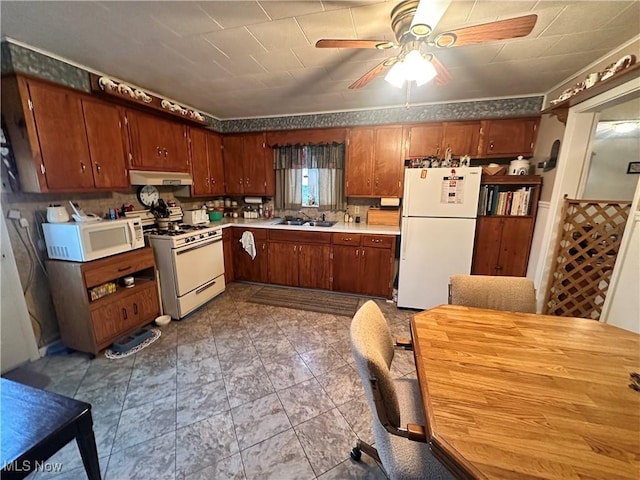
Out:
{"x": 196, "y": 247}
{"x": 205, "y": 286}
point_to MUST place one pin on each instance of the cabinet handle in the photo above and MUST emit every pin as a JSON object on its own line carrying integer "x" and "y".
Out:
{"x": 135, "y": 308}
{"x": 357, "y": 252}
{"x": 498, "y": 267}
{"x": 124, "y": 313}
{"x": 362, "y": 253}
{"x": 83, "y": 167}
{"x": 98, "y": 167}
{"x": 368, "y": 182}
{"x": 376, "y": 182}
{"x": 264, "y": 245}
{"x": 207, "y": 181}
{"x": 123, "y": 269}
{"x": 213, "y": 181}
{"x": 491, "y": 144}
{"x": 159, "y": 151}
{"x": 300, "y": 249}
{"x": 295, "y": 248}
{"x": 165, "y": 153}
{"x": 240, "y": 180}
{"x": 346, "y": 239}
{"x": 376, "y": 240}
{"x": 246, "y": 181}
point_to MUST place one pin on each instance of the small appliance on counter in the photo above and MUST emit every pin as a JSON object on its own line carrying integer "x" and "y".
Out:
{"x": 195, "y": 217}
{"x": 57, "y": 214}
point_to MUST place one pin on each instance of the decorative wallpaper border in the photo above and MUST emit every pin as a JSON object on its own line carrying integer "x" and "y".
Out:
{"x": 16, "y": 58}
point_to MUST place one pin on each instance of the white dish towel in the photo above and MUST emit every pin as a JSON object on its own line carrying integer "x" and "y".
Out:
{"x": 248, "y": 243}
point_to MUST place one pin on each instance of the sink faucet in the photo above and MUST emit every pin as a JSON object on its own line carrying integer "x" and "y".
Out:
{"x": 323, "y": 219}
{"x": 302, "y": 213}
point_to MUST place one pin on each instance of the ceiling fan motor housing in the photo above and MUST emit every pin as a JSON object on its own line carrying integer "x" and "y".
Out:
{"x": 401, "y": 18}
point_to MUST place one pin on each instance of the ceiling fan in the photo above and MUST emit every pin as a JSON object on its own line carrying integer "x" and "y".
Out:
{"x": 414, "y": 22}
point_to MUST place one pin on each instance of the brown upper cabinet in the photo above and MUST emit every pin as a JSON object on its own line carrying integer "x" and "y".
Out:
{"x": 63, "y": 140}
{"x": 424, "y": 140}
{"x": 248, "y": 167}
{"x": 462, "y": 138}
{"x": 508, "y": 137}
{"x": 374, "y": 163}
{"x": 206, "y": 163}
{"x": 157, "y": 144}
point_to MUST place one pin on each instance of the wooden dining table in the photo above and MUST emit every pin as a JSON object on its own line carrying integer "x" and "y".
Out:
{"x": 521, "y": 396}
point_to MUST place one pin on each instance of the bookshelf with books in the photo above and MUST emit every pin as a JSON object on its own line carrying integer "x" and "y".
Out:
{"x": 507, "y": 209}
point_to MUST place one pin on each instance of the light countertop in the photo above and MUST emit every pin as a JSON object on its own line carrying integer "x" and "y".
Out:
{"x": 340, "y": 227}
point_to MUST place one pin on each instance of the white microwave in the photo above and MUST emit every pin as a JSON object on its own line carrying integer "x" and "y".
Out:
{"x": 86, "y": 241}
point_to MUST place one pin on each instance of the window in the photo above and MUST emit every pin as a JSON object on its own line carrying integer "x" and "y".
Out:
{"x": 309, "y": 176}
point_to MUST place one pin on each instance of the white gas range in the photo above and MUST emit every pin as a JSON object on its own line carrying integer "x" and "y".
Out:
{"x": 190, "y": 261}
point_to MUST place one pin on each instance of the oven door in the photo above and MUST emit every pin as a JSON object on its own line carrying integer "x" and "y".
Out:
{"x": 195, "y": 265}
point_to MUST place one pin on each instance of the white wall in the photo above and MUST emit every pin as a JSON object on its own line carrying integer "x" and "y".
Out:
{"x": 607, "y": 178}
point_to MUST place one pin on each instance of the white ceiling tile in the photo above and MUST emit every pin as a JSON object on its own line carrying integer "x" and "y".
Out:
{"x": 373, "y": 22}
{"x": 526, "y": 48}
{"x": 575, "y": 18}
{"x": 494, "y": 10}
{"x": 276, "y": 79}
{"x": 333, "y": 24}
{"x": 588, "y": 41}
{"x": 241, "y": 65}
{"x": 235, "y": 13}
{"x": 235, "y": 42}
{"x": 277, "y": 9}
{"x": 311, "y": 56}
{"x": 196, "y": 49}
{"x": 185, "y": 18}
{"x": 278, "y": 61}
{"x": 278, "y": 34}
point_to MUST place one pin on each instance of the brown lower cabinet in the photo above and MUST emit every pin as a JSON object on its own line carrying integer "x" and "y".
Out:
{"x": 363, "y": 263}
{"x": 91, "y": 325}
{"x": 227, "y": 248}
{"x": 244, "y": 267}
{"x": 300, "y": 259}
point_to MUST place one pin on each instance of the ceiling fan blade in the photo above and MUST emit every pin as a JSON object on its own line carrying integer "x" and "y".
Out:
{"x": 379, "y": 69}
{"x": 488, "y": 32}
{"x": 336, "y": 43}
{"x": 443, "y": 76}
{"x": 427, "y": 16}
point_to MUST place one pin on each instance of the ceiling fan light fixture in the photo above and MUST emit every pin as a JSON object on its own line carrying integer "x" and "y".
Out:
{"x": 417, "y": 68}
{"x": 396, "y": 75}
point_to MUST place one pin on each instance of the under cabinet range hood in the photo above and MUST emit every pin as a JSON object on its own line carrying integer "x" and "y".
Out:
{"x": 144, "y": 177}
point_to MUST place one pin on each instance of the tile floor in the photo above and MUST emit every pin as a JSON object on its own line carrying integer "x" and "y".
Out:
{"x": 234, "y": 391}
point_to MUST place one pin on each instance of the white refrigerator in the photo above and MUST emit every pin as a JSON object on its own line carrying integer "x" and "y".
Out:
{"x": 439, "y": 212}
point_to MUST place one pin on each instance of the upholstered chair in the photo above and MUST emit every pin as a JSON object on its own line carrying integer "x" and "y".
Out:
{"x": 514, "y": 294}
{"x": 396, "y": 405}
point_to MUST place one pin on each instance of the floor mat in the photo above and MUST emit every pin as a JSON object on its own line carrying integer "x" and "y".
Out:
{"x": 336, "y": 304}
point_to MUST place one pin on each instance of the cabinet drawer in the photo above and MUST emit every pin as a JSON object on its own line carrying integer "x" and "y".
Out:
{"x": 299, "y": 237}
{"x": 111, "y": 268}
{"x": 346, "y": 238}
{"x": 379, "y": 241}
{"x": 258, "y": 233}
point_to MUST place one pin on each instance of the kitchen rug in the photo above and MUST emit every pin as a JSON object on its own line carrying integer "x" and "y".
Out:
{"x": 336, "y": 304}
{"x": 155, "y": 334}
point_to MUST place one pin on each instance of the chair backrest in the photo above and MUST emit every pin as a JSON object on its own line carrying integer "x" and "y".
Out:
{"x": 514, "y": 294}
{"x": 372, "y": 348}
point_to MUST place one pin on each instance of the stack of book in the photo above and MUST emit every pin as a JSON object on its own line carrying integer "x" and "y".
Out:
{"x": 512, "y": 202}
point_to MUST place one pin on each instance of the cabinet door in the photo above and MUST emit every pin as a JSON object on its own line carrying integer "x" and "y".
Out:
{"x": 146, "y": 304}
{"x": 61, "y": 137}
{"x": 245, "y": 268}
{"x": 376, "y": 271}
{"x": 359, "y": 162}
{"x": 425, "y": 140}
{"x": 227, "y": 247}
{"x": 216, "y": 168}
{"x": 158, "y": 144}
{"x": 314, "y": 266}
{"x": 346, "y": 269}
{"x": 486, "y": 250}
{"x": 129, "y": 313}
{"x": 232, "y": 154}
{"x": 105, "y": 321}
{"x": 199, "y": 163}
{"x": 283, "y": 263}
{"x": 388, "y": 162}
{"x": 105, "y": 137}
{"x": 254, "y": 164}
{"x": 514, "y": 246}
{"x": 462, "y": 137}
{"x": 509, "y": 137}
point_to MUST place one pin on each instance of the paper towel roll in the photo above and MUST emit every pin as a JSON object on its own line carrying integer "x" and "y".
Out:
{"x": 252, "y": 200}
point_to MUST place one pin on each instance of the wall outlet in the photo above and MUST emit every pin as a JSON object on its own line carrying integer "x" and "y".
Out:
{"x": 356, "y": 210}
{"x": 41, "y": 245}
{"x": 24, "y": 222}
{"x": 13, "y": 213}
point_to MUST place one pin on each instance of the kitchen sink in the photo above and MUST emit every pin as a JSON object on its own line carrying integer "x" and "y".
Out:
{"x": 292, "y": 222}
{"x": 320, "y": 224}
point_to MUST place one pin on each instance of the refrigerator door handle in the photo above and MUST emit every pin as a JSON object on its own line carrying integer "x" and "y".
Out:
{"x": 405, "y": 240}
